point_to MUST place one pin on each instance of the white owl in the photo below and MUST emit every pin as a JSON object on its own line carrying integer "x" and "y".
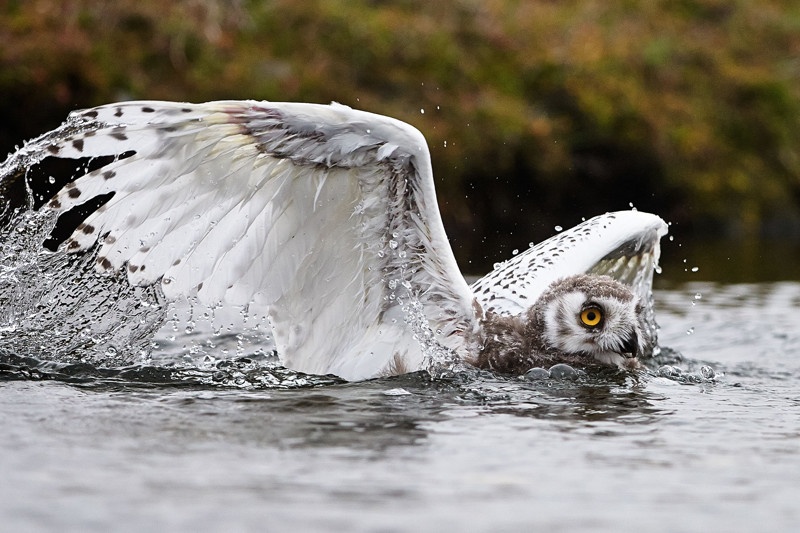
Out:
{"x": 328, "y": 217}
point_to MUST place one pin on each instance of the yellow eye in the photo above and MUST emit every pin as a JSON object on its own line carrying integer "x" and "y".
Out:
{"x": 591, "y": 316}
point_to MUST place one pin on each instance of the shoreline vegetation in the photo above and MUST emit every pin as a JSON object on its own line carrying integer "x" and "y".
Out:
{"x": 537, "y": 113}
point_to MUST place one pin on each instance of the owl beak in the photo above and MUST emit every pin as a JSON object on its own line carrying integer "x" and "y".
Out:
{"x": 630, "y": 347}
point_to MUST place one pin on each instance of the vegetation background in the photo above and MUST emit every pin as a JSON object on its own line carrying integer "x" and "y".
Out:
{"x": 537, "y": 112}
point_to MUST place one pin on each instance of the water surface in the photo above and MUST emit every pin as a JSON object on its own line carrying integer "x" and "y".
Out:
{"x": 221, "y": 448}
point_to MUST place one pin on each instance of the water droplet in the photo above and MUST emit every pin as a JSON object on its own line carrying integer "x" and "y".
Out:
{"x": 707, "y": 372}
{"x": 396, "y": 392}
{"x": 393, "y": 244}
{"x": 422, "y": 111}
{"x": 564, "y": 371}
{"x": 690, "y": 331}
{"x": 695, "y": 269}
{"x": 559, "y": 228}
{"x": 698, "y": 296}
{"x": 669, "y": 371}
{"x": 537, "y": 374}
{"x": 51, "y": 179}
{"x": 514, "y": 251}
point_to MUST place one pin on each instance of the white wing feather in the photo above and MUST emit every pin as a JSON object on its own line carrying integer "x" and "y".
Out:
{"x": 325, "y": 214}
{"x": 624, "y": 245}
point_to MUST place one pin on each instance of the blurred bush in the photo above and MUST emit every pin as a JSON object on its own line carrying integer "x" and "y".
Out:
{"x": 537, "y": 112}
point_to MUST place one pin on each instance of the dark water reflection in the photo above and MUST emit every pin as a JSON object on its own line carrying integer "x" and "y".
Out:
{"x": 374, "y": 415}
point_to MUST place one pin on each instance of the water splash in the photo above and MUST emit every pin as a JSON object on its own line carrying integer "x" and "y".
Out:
{"x": 439, "y": 360}
{"x": 256, "y": 372}
{"x": 704, "y": 374}
{"x": 54, "y": 306}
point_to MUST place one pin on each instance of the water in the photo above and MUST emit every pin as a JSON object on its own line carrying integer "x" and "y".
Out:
{"x": 221, "y": 448}
{"x": 210, "y": 435}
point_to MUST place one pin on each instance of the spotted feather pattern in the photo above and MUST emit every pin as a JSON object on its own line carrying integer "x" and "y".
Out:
{"x": 624, "y": 245}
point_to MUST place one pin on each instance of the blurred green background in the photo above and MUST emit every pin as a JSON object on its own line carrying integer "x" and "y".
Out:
{"x": 538, "y": 113}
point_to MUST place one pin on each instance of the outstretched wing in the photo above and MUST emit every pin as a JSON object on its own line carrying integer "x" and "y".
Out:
{"x": 325, "y": 214}
{"x": 624, "y": 245}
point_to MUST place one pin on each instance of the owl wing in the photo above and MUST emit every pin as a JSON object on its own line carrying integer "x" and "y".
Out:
{"x": 624, "y": 245}
{"x": 325, "y": 214}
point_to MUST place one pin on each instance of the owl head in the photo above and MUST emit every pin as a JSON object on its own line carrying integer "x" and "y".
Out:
{"x": 591, "y": 317}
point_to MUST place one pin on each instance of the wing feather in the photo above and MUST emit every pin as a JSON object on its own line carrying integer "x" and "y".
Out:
{"x": 624, "y": 245}
{"x": 326, "y": 214}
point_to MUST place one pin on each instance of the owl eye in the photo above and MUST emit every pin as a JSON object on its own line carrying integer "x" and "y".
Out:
{"x": 591, "y": 316}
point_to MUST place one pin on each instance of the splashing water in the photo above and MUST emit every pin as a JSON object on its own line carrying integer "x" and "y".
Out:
{"x": 60, "y": 319}
{"x": 57, "y": 312}
{"x": 439, "y": 360}
{"x": 54, "y": 306}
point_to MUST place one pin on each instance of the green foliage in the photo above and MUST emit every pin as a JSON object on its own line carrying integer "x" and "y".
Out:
{"x": 537, "y": 112}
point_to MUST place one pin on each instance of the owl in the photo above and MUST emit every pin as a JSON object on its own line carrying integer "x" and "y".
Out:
{"x": 326, "y": 217}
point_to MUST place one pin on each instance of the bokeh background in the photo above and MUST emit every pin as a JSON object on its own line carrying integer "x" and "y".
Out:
{"x": 538, "y": 113}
